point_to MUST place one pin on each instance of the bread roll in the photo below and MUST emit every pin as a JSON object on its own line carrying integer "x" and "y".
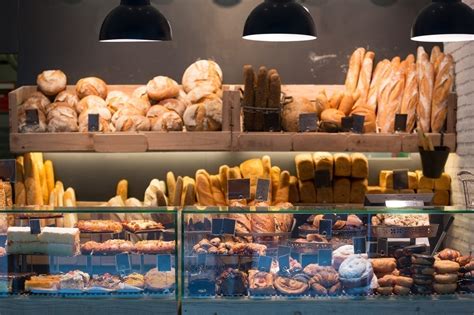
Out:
{"x": 160, "y": 88}
{"x": 168, "y": 121}
{"x": 292, "y": 111}
{"x": 203, "y": 190}
{"x": 294, "y": 195}
{"x": 346, "y": 104}
{"x": 358, "y": 190}
{"x": 321, "y": 102}
{"x": 23, "y": 127}
{"x": 342, "y": 164}
{"x": 307, "y": 192}
{"x": 122, "y": 189}
{"x": 283, "y": 191}
{"x": 67, "y": 97}
{"x": 443, "y": 85}
{"x": 441, "y": 198}
{"x": 332, "y": 115}
{"x": 380, "y": 73}
{"x": 304, "y": 166}
{"x": 365, "y": 75}
{"x": 355, "y": 64}
{"x": 336, "y": 99}
{"x": 275, "y": 178}
{"x": 91, "y": 86}
{"x": 443, "y": 182}
{"x": 410, "y": 97}
{"x": 51, "y": 82}
{"x": 223, "y": 172}
{"x": 202, "y": 71}
{"x": 360, "y": 165}
{"x": 175, "y": 105}
{"x": 206, "y": 116}
{"x": 132, "y": 123}
{"x": 62, "y": 118}
{"x": 425, "y": 75}
{"x": 252, "y": 169}
{"x": 324, "y": 161}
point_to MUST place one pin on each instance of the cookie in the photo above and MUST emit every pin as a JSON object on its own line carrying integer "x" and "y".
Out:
{"x": 445, "y": 288}
{"x": 401, "y": 290}
{"x": 446, "y": 278}
{"x": 446, "y": 266}
{"x": 422, "y": 259}
{"x": 422, "y": 270}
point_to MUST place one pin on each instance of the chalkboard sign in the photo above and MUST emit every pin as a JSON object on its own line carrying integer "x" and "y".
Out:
{"x": 163, "y": 262}
{"x": 32, "y": 118}
{"x": 35, "y": 226}
{"x": 359, "y": 245}
{"x": 308, "y": 122}
{"x": 264, "y": 263}
{"x": 263, "y": 188}
{"x": 307, "y": 259}
{"x": 123, "y": 263}
{"x": 400, "y": 179}
{"x": 284, "y": 262}
{"x": 358, "y": 123}
{"x": 325, "y": 228}
{"x": 238, "y": 189}
{"x": 401, "y": 122}
{"x": 325, "y": 257}
{"x": 93, "y": 123}
{"x": 8, "y": 170}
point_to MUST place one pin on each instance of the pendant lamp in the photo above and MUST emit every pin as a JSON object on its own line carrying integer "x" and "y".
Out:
{"x": 135, "y": 21}
{"x": 444, "y": 21}
{"x": 280, "y": 21}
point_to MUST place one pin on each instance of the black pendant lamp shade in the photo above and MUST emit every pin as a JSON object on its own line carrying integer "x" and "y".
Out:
{"x": 444, "y": 21}
{"x": 135, "y": 21}
{"x": 280, "y": 21}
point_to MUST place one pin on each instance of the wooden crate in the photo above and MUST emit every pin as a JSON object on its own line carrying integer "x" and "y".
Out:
{"x": 117, "y": 142}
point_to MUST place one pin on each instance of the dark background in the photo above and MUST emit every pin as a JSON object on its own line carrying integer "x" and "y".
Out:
{"x": 64, "y": 34}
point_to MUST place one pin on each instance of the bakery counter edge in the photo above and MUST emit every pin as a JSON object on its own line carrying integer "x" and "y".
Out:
{"x": 72, "y": 306}
{"x": 451, "y": 304}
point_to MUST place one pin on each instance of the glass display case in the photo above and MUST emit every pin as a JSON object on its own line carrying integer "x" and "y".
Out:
{"x": 324, "y": 254}
{"x": 89, "y": 252}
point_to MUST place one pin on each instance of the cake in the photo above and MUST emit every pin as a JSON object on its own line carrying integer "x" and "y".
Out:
{"x": 156, "y": 280}
{"x": 105, "y": 281}
{"x": 43, "y": 282}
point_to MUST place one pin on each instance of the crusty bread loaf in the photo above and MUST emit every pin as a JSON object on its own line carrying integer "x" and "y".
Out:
{"x": 342, "y": 164}
{"x": 275, "y": 178}
{"x": 51, "y": 82}
{"x": 274, "y": 90}
{"x": 336, "y": 99}
{"x": 203, "y": 190}
{"x": 307, "y": 191}
{"x": 160, "y": 88}
{"x": 360, "y": 165}
{"x": 252, "y": 169}
{"x": 321, "y": 102}
{"x": 369, "y": 118}
{"x": 324, "y": 161}
{"x": 292, "y": 111}
{"x": 49, "y": 175}
{"x": 91, "y": 86}
{"x": 304, "y": 166}
{"x": 20, "y": 193}
{"x": 355, "y": 65}
{"x": 410, "y": 96}
{"x": 377, "y": 84}
{"x": 202, "y": 71}
{"x": 435, "y": 53}
{"x": 171, "y": 185}
{"x": 294, "y": 195}
{"x": 223, "y": 172}
{"x": 283, "y": 191}
{"x": 217, "y": 194}
{"x": 425, "y": 74}
{"x": 249, "y": 96}
{"x": 178, "y": 192}
{"x": 358, "y": 190}
{"x": 365, "y": 75}
{"x": 443, "y": 84}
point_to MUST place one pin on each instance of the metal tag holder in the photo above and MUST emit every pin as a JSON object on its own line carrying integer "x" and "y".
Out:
{"x": 467, "y": 181}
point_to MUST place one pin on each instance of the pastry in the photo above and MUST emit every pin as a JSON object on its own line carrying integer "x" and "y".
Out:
{"x": 135, "y": 280}
{"x": 232, "y": 282}
{"x": 401, "y": 290}
{"x": 383, "y": 265}
{"x": 385, "y": 290}
{"x": 449, "y": 254}
{"x": 74, "y": 280}
{"x": 446, "y": 266}
{"x": 142, "y": 225}
{"x": 261, "y": 282}
{"x": 51, "y": 82}
{"x": 158, "y": 280}
{"x": 446, "y": 278}
{"x": 292, "y": 284}
{"x": 325, "y": 280}
{"x": 406, "y": 282}
{"x": 355, "y": 272}
{"x": 91, "y": 86}
{"x": 152, "y": 247}
{"x": 43, "y": 282}
{"x": 445, "y": 288}
{"x": 105, "y": 281}
{"x": 99, "y": 226}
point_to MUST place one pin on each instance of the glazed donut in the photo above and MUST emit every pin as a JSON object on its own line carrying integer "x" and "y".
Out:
{"x": 422, "y": 279}
{"x": 422, "y": 270}
{"x": 404, "y": 281}
{"x": 446, "y": 266}
{"x": 422, "y": 259}
{"x": 160, "y": 88}
{"x": 446, "y": 278}
{"x": 91, "y": 86}
{"x": 385, "y": 290}
{"x": 401, "y": 290}
{"x": 51, "y": 82}
{"x": 445, "y": 288}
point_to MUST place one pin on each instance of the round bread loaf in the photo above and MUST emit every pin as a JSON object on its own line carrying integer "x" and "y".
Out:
{"x": 67, "y": 97}
{"x": 115, "y": 100}
{"x": 369, "y": 122}
{"x": 155, "y": 111}
{"x": 91, "y": 101}
{"x": 91, "y": 86}
{"x": 445, "y": 288}
{"x": 446, "y": 278}
{"x": 404, "y": 281}
{"x": 37, "y": 100}
{"x": 141, "y": 104}
{"x": 291, "y": 113}
{"x": 175, "y": 105}
{"x": 104, "y": 119}
{"x": 420, "y": 259}
{"x": 125, "y": 110}
{"x": 51, "y": 82}
{"x": 169, "y": 121}
{"x": 141, "y": 92}
{"x": 204, "y": 117}
{"x": 160, "y": 88}
{"x": 132, "y": 123}
{"x": 202, "y": 71}
{"x": 383, "y": 265}
{"x": 422, "y": 269}
{"x": 23, "y": 127}
{"x": 62, "y": 118}
{"x": 422, "y": 279}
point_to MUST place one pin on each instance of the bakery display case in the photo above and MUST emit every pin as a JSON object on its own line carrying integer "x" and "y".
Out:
{"x": 90, "y": 252}
{"x": 323, "y": 259}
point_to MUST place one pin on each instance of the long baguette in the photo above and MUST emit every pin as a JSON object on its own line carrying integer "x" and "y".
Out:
{"x": 261, "y": 96}
{"x": 249, "y": 96}
{"x": 365, "y": 76}
{"x": 410, "y": 95}
{"x": 442, "y": 87}
{"x": 425, "y": 74}
{"x": 381, "y": 71}
{"x": 355, "y": 64}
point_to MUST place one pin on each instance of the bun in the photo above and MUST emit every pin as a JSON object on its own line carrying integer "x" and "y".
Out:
{"x": 62, "y": 118}
{"x": 201, "y": 71}
{"x": 332, "y": 115}
{"x": 160, "y": 88}
{"x": 204, "y": 117}
{"x": 51, "y": 82}
{"x": 89, "y": 102}
{"x": 175, "y": 105}
{"x": 67, "y": 97}
{"x": 91, "y": 86}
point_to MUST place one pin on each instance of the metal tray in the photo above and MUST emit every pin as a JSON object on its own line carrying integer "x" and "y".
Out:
{"x": 344, "y": 233}
{"x": 404, "y": 231}
{"x": 308, "y": 247}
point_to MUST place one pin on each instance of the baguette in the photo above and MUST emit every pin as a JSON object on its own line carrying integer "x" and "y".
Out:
{"x": 70, "y": 198}
{"x": 274, "y": 96}
{"x": 189, "y": 195}
{"x": 410, "y": 97}
{"x": 355, "y": 64}
{"x": 223, "y": 171}
{"x": 122, "y": 189}
{"x": 49, "y": 170}
{"x": 346, "y": 104}
{"x": 34, "y": 196}
{"x": 381, "y": 71}
{"x": 59, "y": 188}
{"x": 249, "y": 96}
{"x": 336, "y": 99}
{"x": 261, "y": 96}
{"x": 203, "y": 190}
{"x": 294, "y": 195}
{"x": 217, "y": 194}
{"x": 20, "y": 193}
{"x": 435, "y": 53}
{"x": 425, "y": 75}
{"x": 20, "y": 172}
{"x": 365, "y": 76}
{"x": 171, "y": 184}
{"x": 442, "y": 87}
{"x": 178, "y": 192}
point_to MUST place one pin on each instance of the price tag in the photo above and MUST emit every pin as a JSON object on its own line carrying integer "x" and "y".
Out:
{"x": 238, "y": 189}
{"x": 264, "y": 263}
{"x": 8, "y": 170}
{"x": 325, "y": 257}
{"x": 123, "y": 263}
{"x": 401, "y": 122}
{"x": 32, "y": 117}
{"x": 404, "y": 203}
{"x": 331, "y": 217}
{"x": 308, "y": 122}
{"x": 325, "y": 228}
{"x": 216, "y": 226}
{"x": 360, "y": 244}
{"x": 93, "y": 123}
{"x": 284, "y": 262}
{"x": 163, "y": 262}
{"x": 372, "y": 248}
{"x": 346, "y": 123}
{"x": 263, "y": 189}
{"x": 271, "y": 122}
{"x": 342, "y": 217}
{"x": 284, "y": 250}
{"x": 228, "y": 227}
{"x": 322, "y": 178}
{"x": 307, "y": 259}
{"x": 35, "y": 226}
{"x": 400, "y": 179}
{"x": 358, "y": 123}
{"x": 382, "y": 246}
{"x": 201, "y": 259}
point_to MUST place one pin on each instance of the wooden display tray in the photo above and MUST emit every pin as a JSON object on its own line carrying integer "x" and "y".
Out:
{"x": 231, "y": 138}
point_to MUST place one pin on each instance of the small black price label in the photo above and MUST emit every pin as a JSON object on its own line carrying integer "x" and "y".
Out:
{"x": 271, "y": 122}
{"x": 284, "y": 262}
{"x": 325, "y": 228}
{"x": 308, "y": 122}
{"x": 342, "y": 216}
{"x": 163, "y": 262}
{"x": 330, "y": 216}
{"x": 35, "y": 226}
{"x": 358, "y": 122}
{"x": 8, "y": 170}
{"x": 32, "y": 118}
{"x": 264, "y": 263}
{"x": 216, "y": 226}
{"x": 308, "y": 259}
{"x": 372, "y": 247}
{"x": 322, "y": 178}
{"x": 93, "y": 123}
{"x": 238, "y": 189}
{"x": 284, "y": 250}
{"x": 201, "y": 259}
{"x": 123, "y": 263}
{"x": 401, "y": 122}
{"x": 400, "y": 179}
{"x": 382, "y": 246}
{"x": 346, "y": 123}
{"x": 360, "y": 245}
{"x": 325, "y": 257}
{"x": 223, "y": 226}
{"x": 263, "y": 189}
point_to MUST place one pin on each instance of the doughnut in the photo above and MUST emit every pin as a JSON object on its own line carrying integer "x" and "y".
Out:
{"x": 446, "y": 266}
{"x": 404, "y": 281}
{"x": 445, "y": 288}
{"x": 385, "y": 290}
{"x": 422, "y": 259}
{"x": 446, "y": 278}
{"x": 401, "y": 290}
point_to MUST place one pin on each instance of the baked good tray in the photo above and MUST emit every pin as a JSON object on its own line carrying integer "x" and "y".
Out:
{"x": 403, "y": 231}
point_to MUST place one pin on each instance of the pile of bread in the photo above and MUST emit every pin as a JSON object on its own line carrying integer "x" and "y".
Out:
{"x": 348, "y": 178}
{"x": 417, "y": 183}
{"x": 161, "y": 105}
